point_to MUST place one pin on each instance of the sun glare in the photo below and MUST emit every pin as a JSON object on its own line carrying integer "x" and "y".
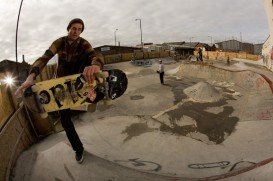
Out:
{"x": 9, "y": 80}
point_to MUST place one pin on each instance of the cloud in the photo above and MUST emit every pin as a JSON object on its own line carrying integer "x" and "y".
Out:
{"x": 43, "y": 21}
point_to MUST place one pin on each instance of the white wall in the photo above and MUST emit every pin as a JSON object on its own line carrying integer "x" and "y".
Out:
{"x": 269, "y": 42}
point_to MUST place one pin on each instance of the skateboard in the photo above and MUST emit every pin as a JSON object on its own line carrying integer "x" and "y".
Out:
{"x": 73, "y": 91}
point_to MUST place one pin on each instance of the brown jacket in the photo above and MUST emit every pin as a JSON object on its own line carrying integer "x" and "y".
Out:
{"x": 72, "y": 58}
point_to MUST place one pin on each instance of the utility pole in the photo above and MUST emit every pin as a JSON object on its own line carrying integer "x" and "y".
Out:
{"x": 16, "y": 35}
{"x": 138, "y": 19}
{"x": 241, "y": 41}
{"x": 210, "y": 40}
{"x": 190, "y": 40}
{"x": 115, "y": 37}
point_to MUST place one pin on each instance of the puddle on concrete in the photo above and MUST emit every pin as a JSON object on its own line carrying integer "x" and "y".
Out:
{"x": 136, "y": 129}
{"x": 215, "y": 126}
{"x": 136, "y": 97}
{"x": 177, "y": 86}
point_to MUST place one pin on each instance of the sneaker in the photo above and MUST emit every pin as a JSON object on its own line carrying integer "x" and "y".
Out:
{"x": 79, "y": 157}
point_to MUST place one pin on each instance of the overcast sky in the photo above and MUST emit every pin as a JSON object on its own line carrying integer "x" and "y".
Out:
{"x": 43, "y": 21}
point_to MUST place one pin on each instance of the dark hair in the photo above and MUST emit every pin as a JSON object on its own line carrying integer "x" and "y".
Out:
{"x": 73, "y": 21}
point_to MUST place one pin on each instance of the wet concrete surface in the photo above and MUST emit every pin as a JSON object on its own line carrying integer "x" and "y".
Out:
{"x": 137, "y": 97}
{"x": 136, "y": 129}
{"x": 216, "y": 126}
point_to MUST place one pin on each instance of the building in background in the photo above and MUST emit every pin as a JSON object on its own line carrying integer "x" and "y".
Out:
{"x": 184, "y": 49}
{"x": 8, "y": 67}
{"x": 230, "y": 45}
{"x": 236, "y": 46}
{"x": 247, "y": 47}
{"x": 150, "y": 47}
{"x": 171, "y": 45}
{"x": 111, "y": 49}
{"x": 258, "y": 49}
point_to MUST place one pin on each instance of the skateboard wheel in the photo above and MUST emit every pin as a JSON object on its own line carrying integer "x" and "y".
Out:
{"x": 44, "y": 115}
{"x": 34, "y": 88}
{"x": 107, "y": 102}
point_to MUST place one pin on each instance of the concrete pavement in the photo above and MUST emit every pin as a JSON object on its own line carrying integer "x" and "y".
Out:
{"x": 206, "y": 123}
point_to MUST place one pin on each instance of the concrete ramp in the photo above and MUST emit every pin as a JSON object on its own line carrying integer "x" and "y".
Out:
{"x": 206, "y": 123}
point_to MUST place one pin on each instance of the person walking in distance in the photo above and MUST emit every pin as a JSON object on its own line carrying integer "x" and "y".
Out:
{"x": 161, "y": 71}
{"x": 200, "y": 54}
{"x": 75, "y": 55}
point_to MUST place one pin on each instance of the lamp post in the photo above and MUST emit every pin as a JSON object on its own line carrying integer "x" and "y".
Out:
{"x": 210, "y": 40}
{"x": 16, "y": 35}
{"x": 138, "y": 19}
{"x": 190, "y": 40}
{"x": 115, "y": 37}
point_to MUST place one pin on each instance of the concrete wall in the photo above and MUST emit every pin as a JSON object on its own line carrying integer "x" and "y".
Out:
{"x": 136, "y": 56}
{"x": 15, "y": 137}
{"x": 6, "y": 105}
{"x": 268, "y": 5}
{"x": 19, "y": 129}
{"x": 213, "y": 55}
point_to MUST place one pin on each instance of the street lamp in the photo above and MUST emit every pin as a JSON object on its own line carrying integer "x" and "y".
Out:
{"x": 140, "y": 32}
{"x": 190, "y": 40}
{"x": 210, "y": 40}
{"x": 16, "y": 35}
{"x": 115, "y": 37}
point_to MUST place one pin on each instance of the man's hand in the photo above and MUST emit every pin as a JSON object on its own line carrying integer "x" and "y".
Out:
{"x": 89, "y": 73}
{"x": 29, "y": 81}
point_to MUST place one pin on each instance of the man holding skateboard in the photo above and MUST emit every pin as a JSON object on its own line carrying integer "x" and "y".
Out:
{"x": 75, "y": 55}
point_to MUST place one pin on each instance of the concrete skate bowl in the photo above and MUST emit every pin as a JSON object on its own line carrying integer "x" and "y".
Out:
{"x": 218, "y": 126}
{"x": 227, "y": 111}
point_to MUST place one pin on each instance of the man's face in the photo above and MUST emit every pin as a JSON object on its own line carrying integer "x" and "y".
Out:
{"x": 75, "y": 31}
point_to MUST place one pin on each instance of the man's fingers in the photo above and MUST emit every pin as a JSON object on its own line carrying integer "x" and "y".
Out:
{"x": 85, "y": 74}
{"x": 25, "y": 85}
{"x": 92, "y": 95}
{"x": 88, "y": 73}
{"x": 91, "y": 75}
{"x": 18, "y": 92}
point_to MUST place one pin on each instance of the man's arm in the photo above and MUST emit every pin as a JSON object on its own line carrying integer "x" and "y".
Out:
{"x": 96, "y": 62}
{"x": 41, "y": 62}
{"x": 38, "y": 66}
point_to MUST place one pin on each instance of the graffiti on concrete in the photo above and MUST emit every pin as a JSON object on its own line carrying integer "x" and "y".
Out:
{"x": 221, "y": 164}
{"x": 259, "y": 114}
{"x": 241, "y": 165}
{"x": 141, "y": 164}
{"x": 144, "y": 63}
{"x": 260, "y": 82}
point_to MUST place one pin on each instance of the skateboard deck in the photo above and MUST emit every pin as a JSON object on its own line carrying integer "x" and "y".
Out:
{"x": 73, "y": 91}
